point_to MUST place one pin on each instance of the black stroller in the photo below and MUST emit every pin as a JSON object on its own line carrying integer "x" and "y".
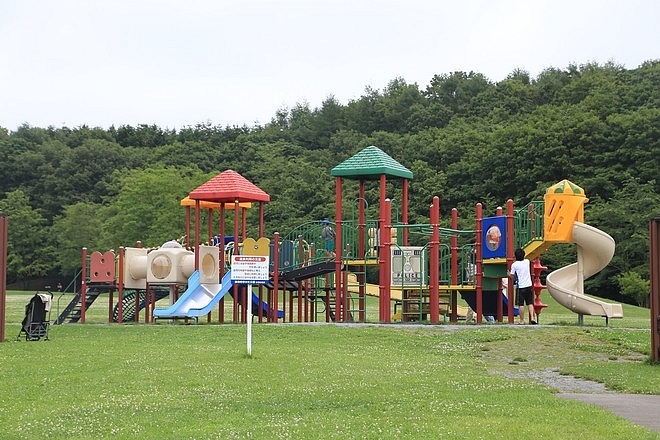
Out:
{"x": 37, "y": 317}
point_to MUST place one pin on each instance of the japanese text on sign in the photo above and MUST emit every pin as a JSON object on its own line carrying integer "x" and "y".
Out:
{"x": 249, "y": 269}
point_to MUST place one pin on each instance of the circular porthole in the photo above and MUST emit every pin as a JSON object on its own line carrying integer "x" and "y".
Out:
{"x": 208, "y": 265}
{"x": 161, "y": 266}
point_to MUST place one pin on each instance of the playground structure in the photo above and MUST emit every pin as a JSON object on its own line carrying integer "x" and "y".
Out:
{"x": 423, "y": 281}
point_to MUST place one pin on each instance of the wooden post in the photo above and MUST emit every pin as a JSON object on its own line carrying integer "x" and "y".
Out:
{"x": 654, "y": 257}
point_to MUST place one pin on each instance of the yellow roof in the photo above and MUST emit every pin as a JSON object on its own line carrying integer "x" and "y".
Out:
{"x": 187, "y": 201}
{"x": 565, "y": 187}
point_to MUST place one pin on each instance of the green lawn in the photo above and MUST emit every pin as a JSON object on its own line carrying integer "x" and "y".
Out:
{"x": 318, "y": 381}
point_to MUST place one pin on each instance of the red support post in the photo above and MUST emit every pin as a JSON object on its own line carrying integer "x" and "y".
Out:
{"x": 500, "y": 306}
{"x": 386, "y": 237}
{"x": 262, "y": 223}
{"x": 222, "y": 262}
{"x": 454, "y": 265}
{"x": 241, "y": 294}
{"x": 347, "y": 299}
{"x": 120, "y": 287}
{"x": 261, "y": 234}
{"x": 209, "y": 233}
{"x": 434, "y": 262}
{"x": 244, "y": 223}
{"x": 188, "y": 227}
{"x": 290, "y": 304}
{"x": 362, "y": 249}
{"x": 510, "y": 234}
{"x": 148, "y": 304}
{"x": 83, "y": 288}
{"x": 537, "y": 268}
{"x": 340, "y": 294}
{"x": 136, "y": 303}
{"x": 384, "y": 278}
{"x": 195, "y": 246}
{"x": 454, "y": 247}
{"x": 328, "y": 311}
{"x": 273, "y": 302}
{"x": 111, "y": 299}
{"x": 209, "y": 227}
{"x": 362, "y": 222}
{"x": 404, "y": 210}
{"x": 300, "y": 292}
{"x": 479, "y": 263}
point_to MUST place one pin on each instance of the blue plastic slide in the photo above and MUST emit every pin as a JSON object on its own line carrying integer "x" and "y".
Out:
{"x": 198, "y": 299}
{"x": 488, "y": 302}
{"x": 505, "y": 301}
{"x": 264, "y": 307}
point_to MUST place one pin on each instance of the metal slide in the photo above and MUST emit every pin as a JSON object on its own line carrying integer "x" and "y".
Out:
{"x": 595, "y": 249}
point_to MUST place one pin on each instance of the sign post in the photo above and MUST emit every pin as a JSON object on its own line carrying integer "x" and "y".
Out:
{"x": 249, "y": 270}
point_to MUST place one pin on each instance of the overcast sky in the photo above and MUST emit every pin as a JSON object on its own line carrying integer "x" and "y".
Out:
{"x": 176, "y": 63}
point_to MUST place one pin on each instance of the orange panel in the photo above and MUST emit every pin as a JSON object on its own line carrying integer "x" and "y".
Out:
{"x": 102, "y": 267}
{"x": 564, "y": 205}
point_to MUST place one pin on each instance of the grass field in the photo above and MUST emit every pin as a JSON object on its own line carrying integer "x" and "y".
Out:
{"x": 306, "y": 381}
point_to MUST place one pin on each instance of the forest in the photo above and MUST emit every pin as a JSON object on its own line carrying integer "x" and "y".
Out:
{"x": 465, "y": 138}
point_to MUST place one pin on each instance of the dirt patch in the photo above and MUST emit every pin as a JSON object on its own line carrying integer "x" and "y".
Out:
{"x": 528, "y": 355}
{"x": 539, "y": 354}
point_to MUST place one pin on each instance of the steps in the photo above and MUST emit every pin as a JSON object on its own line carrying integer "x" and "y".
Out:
{"x": 306, "y": 272}
{"x": 128, "y": 303}
{"x": 73, "y": 311}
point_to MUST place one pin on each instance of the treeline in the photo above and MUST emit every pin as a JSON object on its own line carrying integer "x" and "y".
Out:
{"x": 466, "y": 139}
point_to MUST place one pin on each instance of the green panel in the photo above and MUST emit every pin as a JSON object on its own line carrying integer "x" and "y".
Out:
{"x": 489, "y": 283}
{"x": 494, "y": 270}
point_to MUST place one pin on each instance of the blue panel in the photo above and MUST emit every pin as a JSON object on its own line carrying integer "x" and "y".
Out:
{"x": 493, "y": 237}
{"x": 287, "y": 254}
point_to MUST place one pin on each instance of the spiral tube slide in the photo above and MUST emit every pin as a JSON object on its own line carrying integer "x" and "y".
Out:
{"x": 595, "y": 249}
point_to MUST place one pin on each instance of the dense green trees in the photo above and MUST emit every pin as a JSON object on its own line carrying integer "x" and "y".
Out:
{"x": 465, "y": 138}
{"x": 30, "y": 249}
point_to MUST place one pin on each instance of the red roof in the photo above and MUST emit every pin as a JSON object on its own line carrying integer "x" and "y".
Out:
{"x": 228, "y": 187}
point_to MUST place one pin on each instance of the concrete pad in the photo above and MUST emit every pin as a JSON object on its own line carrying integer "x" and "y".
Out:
{"x": 642, "y": 409}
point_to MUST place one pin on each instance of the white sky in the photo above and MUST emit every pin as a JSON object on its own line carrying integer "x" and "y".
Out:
{"x": 176, "y": 63}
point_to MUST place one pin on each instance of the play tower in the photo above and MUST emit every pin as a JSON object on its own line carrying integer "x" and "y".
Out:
{"x": 370, "y": 164}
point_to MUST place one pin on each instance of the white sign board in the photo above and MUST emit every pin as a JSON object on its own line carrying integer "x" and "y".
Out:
{"x": 249, "y": 269}
{"x": 408, "y": 266}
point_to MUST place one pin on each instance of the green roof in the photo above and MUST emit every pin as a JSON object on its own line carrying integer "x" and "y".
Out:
{"x": 371, "y": 163}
